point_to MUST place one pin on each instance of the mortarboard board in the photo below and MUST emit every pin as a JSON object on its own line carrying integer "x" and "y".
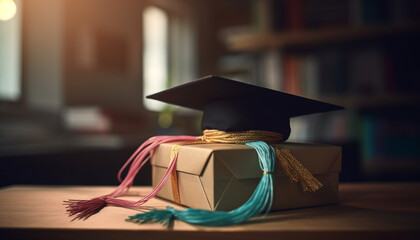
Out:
{"x": 232, "y": 106}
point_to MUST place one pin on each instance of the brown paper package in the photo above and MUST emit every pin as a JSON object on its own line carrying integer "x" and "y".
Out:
{"x": 224, "y": 176}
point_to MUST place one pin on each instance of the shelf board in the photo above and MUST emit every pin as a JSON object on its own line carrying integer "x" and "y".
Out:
{"x": 395, "y": 165}
{"x": 307, "y": 38}
{"x": 370, "y": 101}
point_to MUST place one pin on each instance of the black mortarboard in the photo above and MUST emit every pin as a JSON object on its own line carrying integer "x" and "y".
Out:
{"x": 232, "y": 106}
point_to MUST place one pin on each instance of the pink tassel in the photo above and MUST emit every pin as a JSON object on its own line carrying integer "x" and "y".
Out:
{"x": 83, "y": 209}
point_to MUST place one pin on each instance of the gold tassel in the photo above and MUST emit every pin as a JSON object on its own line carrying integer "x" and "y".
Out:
{"x": 295, "y": 170}
{"x": 174, "y": 174}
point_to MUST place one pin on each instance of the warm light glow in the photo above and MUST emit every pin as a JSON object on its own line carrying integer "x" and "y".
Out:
{"x": 7, "y": 9}
{"x": 10, "y": 56}
{"x": 155, "y": 54}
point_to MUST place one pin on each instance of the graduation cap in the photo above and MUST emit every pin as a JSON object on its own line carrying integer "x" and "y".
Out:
{"x": 233, "y": 106}
{"x": 228, "y": 106}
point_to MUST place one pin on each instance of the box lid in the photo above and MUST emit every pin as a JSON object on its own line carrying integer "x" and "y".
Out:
{"x": 317, "y": 158}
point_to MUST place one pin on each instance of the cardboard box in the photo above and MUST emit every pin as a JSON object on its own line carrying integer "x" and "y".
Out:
{"x": 224, "y": 176}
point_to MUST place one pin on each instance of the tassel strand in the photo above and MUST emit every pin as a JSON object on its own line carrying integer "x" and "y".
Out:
{"x": 83, "y": 209}
{"x": 262, "y": 196}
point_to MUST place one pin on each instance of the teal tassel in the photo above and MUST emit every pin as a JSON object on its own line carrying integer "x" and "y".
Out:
{"x": 262, "y": 196}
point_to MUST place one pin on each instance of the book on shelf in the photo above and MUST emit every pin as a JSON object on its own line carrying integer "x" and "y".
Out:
{"x": 242, "y": 67}
{"x": 309, "y": 76}
{"x": 296, "y": 15}
{"x": 325, "y": 13}
{"x": 291, "y": 70}
{"x": 272, "y": 72}
{"x": 332, "y": 72}
{"x": 295, "y": 19}
{"x": 389, "y": 138}
{"x": 367, "y": 72}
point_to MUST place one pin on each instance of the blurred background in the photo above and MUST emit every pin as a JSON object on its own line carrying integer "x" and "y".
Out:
{"x": 74, "y": 74}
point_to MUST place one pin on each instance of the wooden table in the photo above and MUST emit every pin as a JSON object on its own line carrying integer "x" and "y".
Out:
{"x": 366, "y": 211}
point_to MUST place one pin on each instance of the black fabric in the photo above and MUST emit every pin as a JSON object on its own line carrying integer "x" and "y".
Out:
{"x": 230, "y": 105}
{"x": 233, "y": 116}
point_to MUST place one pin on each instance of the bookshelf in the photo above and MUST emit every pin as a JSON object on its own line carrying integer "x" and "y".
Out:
{"x": 306, "y": 38}
{"x": 365, "y": 59}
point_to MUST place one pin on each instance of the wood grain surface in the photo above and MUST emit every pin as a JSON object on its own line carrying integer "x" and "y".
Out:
{"x": 365, "y": 211}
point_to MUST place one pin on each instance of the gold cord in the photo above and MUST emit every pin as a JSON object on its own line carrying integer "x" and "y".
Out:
{"x": 216, "y": 136}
